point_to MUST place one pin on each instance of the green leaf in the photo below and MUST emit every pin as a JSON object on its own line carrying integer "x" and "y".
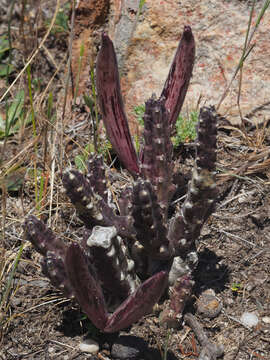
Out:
{"x": 4, "y": 47}
{"x": 186, "y": 128}
{"x": 6, "y": 69}
{"x": 236, "y": 287}
{"x": 139, "y": 112}
{"x": 61, "y": 21}
{"x": 88, "y": 101}
{"x": 80, "y": 162}
{"x": 141, "y": 5}
{"x": 15, "y": 109}
{"x": 11, "y": 125}
{"x": 13, "y": 182}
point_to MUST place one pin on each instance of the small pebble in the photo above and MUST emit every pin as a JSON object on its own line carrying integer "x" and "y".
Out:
{"x": 249, "y": 319}
{"x": 128, "y": 347}
{"x": 250, "y": 287}
{"x": 16, "y": 301}
{"x": 266, "y": 319}
{"x": 50, "y": 350}
{"x": 229, "y": 301}
{"x": 208, "y": 305}
{"x": 242, "y": 199}
{"x": 90, "y": 346}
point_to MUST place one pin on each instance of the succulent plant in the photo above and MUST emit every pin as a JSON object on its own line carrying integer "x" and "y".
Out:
{"x": 128, "y": 257}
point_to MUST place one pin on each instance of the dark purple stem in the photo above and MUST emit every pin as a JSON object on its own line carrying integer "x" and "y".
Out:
{"x": 112, "y": 106}
{"x": 176, "y": 85}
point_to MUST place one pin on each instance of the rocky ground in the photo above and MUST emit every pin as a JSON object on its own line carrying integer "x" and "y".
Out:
{"x": 39, "y": 323}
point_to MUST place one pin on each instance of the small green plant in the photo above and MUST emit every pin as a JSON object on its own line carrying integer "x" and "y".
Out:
{"x": 139, "y": 112}
{"x": 61, "y": 21}
{"x": 5, "y": 69}
{"x": 141, "y": 3}
{"x": 165, "y": 353}
{"x": 81, "y": 159}
{"x": 92, "y": 331}
{"x": 8, "y": 287}
{"x": 236, "y": 288}
{"x": 91, "y": 103}
{"x": 14, "y": 114}
{"x": 13, "y": 180}
{"x": 37, "y": 84}
{"x": 185, "y": 126}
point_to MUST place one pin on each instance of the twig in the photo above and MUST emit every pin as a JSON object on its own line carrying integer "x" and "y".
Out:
{"x": 19, "y": 155}
{"x": 234, "y": 198}
{"x": 62, "y": 344}
{"x": 241, "y": 68}
{"x": 67, "y": 83}
{"x": 247, "y": 49}
{"x": 236, "y": 237}
{"x": 210, "y": 351}
{"x": 52, "y": 178}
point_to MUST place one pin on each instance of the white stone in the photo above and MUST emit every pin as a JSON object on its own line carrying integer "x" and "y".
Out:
{"x": 90, "y": 346}
{"x": 102, "y": 236}
{"x": 71, "y": 176}
{"x": 266, "y": 319}
{"x": 249, "y": 319}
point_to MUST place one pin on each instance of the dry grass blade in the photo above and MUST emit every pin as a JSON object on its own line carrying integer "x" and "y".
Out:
{"x": 6, "y": 283}
{"x": 67, "y": 82}
{"x": 52, "y": 177}
{"x": 21, "y": 155}
{"x": 256, "y": 162}
{"x": 246, "y": 50}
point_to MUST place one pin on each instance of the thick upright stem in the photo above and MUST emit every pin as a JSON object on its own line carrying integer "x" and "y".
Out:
{"x": 199, "y": 203}
{"x": 157, "y": 164}
{"x": 149, "y": 223}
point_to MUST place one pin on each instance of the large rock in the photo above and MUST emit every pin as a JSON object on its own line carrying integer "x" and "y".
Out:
{"x": 219, "y": 28}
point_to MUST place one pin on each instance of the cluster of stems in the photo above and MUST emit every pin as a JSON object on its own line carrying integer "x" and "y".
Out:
{"x": 127, "y": 258}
